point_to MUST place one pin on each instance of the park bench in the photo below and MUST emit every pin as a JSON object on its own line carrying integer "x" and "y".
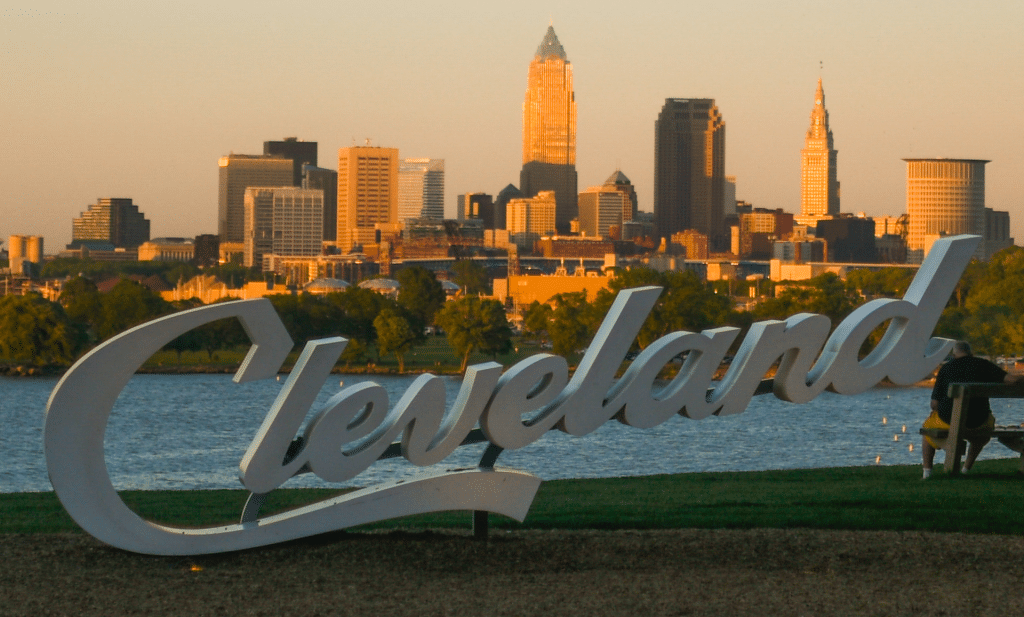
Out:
{"x": 1011, "y": 436}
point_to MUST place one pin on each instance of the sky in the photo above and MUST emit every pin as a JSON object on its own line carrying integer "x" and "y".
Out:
{"x": 117, "y": 99}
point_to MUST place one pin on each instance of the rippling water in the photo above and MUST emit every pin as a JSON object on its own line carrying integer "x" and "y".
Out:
{"x": 190, "y": 431}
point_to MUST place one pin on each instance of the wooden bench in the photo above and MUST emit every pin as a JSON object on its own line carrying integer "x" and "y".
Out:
{"x": 1011, "y": 436}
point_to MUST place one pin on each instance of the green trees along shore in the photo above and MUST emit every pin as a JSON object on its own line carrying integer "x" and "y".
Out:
{"x": 987, "y": 308}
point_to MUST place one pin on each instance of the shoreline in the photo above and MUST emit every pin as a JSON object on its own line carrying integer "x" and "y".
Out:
{"x": 201, "y": 369}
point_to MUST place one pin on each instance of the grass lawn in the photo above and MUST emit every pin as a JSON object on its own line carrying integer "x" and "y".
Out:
{"x": 853, "y": 498}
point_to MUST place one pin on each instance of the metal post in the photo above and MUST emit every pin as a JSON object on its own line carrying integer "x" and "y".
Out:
{"x": 481, "y": 521}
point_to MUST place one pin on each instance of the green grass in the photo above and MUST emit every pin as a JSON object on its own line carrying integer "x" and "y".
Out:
{"x": 864, "y": 498}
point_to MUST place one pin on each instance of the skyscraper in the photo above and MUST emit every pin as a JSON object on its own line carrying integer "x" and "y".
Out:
{"x": 621, "y": 183}
{"x": 325, "y": 180}
{"x": 300, "y": 152}
{"x": 282, "y": 220}
{"x": 237, "y": 173}
{"x": 480, "y": 206}
{"x": 819, "y": 186}
{"x": 601, "y": 208}
{"x": 421, "y": 189}
{"x": 529, "y": 218}
{"x": 114, "y": 220}
{"x": 367, "y": 194}
{"x": 944, "y": 197}
{"x": 689, "y": 170}
{"x": 549, "y": 130}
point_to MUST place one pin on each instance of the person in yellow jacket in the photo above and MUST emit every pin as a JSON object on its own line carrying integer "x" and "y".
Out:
{"x": 965, "y": 367}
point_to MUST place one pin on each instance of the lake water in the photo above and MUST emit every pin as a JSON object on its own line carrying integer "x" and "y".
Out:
{"x": 190, "y": 431}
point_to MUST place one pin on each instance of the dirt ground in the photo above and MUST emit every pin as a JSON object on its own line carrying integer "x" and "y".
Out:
{"x": 682, "y": 572}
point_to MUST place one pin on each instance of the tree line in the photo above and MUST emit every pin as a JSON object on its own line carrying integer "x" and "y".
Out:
{"x": 38, "y": 332}
{"x": 987, "y": 308}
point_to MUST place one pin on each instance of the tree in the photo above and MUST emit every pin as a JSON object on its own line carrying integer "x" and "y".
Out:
{"x": 394, "y": 335}
{"x": 472, "y": 324}
{"x": 358, "y": 308}
{"x": 992, "y": 297}
{"x": 126, "y": 305}
{"x": 888, "y": 282}
{"x": 420, "y": 295}
{"x": 573, "y": 322}
{"x": 36, "y": 331}
{"x": 685, "y": 303}
{"x": 82, "y": 301}
{"x": 297, "y": 313}
{"x": 193, "y": 339}
{"x": 537, "y": 319}
{"x": 470, "y": 276}
{"x": 222, "y": 334}
{"x": 825, "y": 294}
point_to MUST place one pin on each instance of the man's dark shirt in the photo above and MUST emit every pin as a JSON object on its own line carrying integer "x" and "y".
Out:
{"x": 968, "y": 369}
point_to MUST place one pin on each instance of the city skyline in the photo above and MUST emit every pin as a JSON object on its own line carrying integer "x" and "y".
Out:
{"x": 138, "y": 102}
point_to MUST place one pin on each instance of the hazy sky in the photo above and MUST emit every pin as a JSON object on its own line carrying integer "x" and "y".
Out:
{"x": 120, "y": 99}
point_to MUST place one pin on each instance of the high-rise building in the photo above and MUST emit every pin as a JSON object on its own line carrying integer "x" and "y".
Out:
{"x": 421, "y": 189}
{"x": 501, "y": 200}
{"x": 237, "y": 173}
{"x": 601, "y": 208}
{"x": 549, "y": 130}
{"x": 326, "y": 180}
{"x": 729, "y": 199}
{"x": 299, "y": 152}
{"x": 689, "y": 170}
{"x": 621, "y": 183}
{"x": 367, "y": 195}
{"x": 282, "y": 220}
{"x": 944, "y": 197}
{"x": 997, "y": 232}
{"x": 529, "y": 218}
{"x": 819, "y": 186}
{"x": 756, "y": 230}
{"x": 114, "y": 220}
{"x": 480, "y": 206}
{"x": 22, "y": 251}
{"x": 848, "y": 239}
{"x": 695, "y": 243}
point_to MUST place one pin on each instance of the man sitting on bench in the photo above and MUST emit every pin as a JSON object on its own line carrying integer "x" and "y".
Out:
{"x": 963, "y": 368}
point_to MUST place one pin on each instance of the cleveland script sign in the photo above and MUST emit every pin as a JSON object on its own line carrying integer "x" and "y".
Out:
{"x": 512, "y": 408}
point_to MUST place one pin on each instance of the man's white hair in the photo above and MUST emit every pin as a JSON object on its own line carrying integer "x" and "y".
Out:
{"x": 962, "y": 347}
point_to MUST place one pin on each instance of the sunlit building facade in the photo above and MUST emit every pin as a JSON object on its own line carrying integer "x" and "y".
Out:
{"x": 549, "y": 129}
{"x": 945, "y": 197}
{"x": 286, "y": 221}
{"x": 530, "y": 218}
{"x": 421, "y": 189}
{"x": 237, "y": 173}
{"x": 114, "y": 220}
{"x": 367, "y": 194}
{"x": 819, "y": 184}
{"x": 601, "y": 208}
